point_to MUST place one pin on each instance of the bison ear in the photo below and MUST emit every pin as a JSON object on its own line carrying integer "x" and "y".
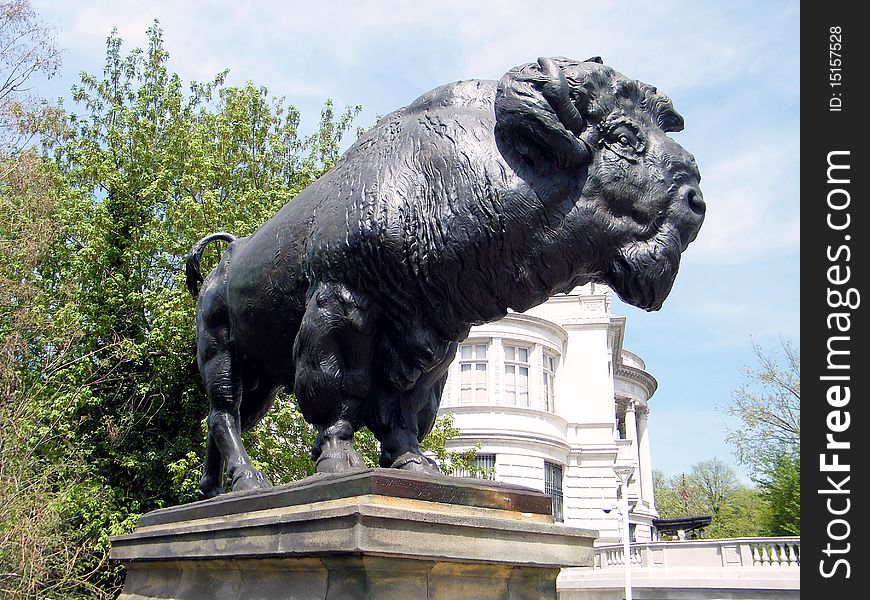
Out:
{"x": 537, "y": 122}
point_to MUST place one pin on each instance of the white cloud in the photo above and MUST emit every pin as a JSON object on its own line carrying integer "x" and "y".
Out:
{"x": 751, "y": 205}
{"x": 678, "y": 45}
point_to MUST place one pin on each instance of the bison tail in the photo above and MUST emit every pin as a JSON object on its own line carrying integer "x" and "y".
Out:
{"x": 192, "y": 269}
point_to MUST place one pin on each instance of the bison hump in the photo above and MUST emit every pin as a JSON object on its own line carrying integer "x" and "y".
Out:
{"x": 471, "y": 102}
{"x": 471, "y": 94}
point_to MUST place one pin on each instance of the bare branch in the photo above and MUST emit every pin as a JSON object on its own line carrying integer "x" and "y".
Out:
{"x": 768, "y": 408}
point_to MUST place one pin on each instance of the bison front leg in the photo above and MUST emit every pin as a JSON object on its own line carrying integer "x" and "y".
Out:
{"x": 406, "y": 413}
{"x": 403, "y": 420}
{"x": 334, "y": 359}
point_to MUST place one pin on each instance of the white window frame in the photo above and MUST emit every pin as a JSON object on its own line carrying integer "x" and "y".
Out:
{"x": 476, "y": 391}
{"x": 511, "y": 381}
{"x": 549, "y": 381}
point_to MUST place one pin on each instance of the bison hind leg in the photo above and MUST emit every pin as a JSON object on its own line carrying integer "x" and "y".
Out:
{"x": 220, "y": 370}
{"x": 256, "y": 402}
{"x": 211, "y": 484}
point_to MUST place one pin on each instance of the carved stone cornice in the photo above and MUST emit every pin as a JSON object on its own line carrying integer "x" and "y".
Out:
{"x": 640, "y": 377}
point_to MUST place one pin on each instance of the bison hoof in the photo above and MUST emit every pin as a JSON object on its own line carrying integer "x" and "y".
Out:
{"x": 250, "y": 479}
{"x": 339, "y": 461}
{"x": 416, "y": 463}
{"x": 208, "y": 489}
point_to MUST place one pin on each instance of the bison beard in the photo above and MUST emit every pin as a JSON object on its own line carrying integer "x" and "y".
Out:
{"x": 643, "y": 272}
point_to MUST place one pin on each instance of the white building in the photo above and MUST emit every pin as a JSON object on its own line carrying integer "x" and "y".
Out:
{"x": 555, "y": 401}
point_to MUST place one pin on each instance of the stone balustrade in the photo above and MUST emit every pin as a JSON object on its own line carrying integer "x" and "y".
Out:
{"x": 742, "y": 552}
{"x": 739, "y": 568}
{"x": 776, "y": 552}
{"x": 613, "y": 556}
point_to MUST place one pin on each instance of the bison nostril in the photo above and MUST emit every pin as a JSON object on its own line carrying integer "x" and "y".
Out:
{"x": 695, "y": 200}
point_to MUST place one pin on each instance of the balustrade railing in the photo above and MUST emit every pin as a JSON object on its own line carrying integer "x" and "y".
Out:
{"x": 615, "y": 557}
{"x": 776, "y": 553}
{"x": 781, "y": 552}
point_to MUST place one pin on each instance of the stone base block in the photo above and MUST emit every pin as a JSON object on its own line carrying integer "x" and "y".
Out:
{"x": 373, "y": 534}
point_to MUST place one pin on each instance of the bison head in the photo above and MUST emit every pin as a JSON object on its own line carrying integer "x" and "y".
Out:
{"x": 600, "y": 140}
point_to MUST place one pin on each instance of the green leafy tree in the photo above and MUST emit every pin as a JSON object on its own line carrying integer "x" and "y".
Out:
{"x": 35, "y": 554}
{"x": 714, "y": 482}
{"x": 712, "y": 488}
{"x": 673, "y": 499}
{"x": 667, "y": 498}
{"x": 767, "y": 438}
{"x": 745, "y": 513}
{"x": 737, "y": 511}
{"x": 114, "y": 400}
{"x": 782, "y": 490}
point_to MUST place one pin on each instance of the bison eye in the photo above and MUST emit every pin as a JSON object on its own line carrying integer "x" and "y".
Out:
{"x": 625, "y": 140}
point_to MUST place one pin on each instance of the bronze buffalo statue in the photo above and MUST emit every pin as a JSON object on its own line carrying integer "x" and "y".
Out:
{"x": 478, "y": 197}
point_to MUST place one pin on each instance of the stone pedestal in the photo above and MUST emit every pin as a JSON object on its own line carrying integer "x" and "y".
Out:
{"x": 374, "y": 534}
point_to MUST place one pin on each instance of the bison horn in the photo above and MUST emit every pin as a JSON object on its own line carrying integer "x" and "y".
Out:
{"x": 557, "y": 92}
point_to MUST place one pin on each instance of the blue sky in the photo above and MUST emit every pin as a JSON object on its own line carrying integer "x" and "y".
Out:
{"x": 731, "y": 68}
